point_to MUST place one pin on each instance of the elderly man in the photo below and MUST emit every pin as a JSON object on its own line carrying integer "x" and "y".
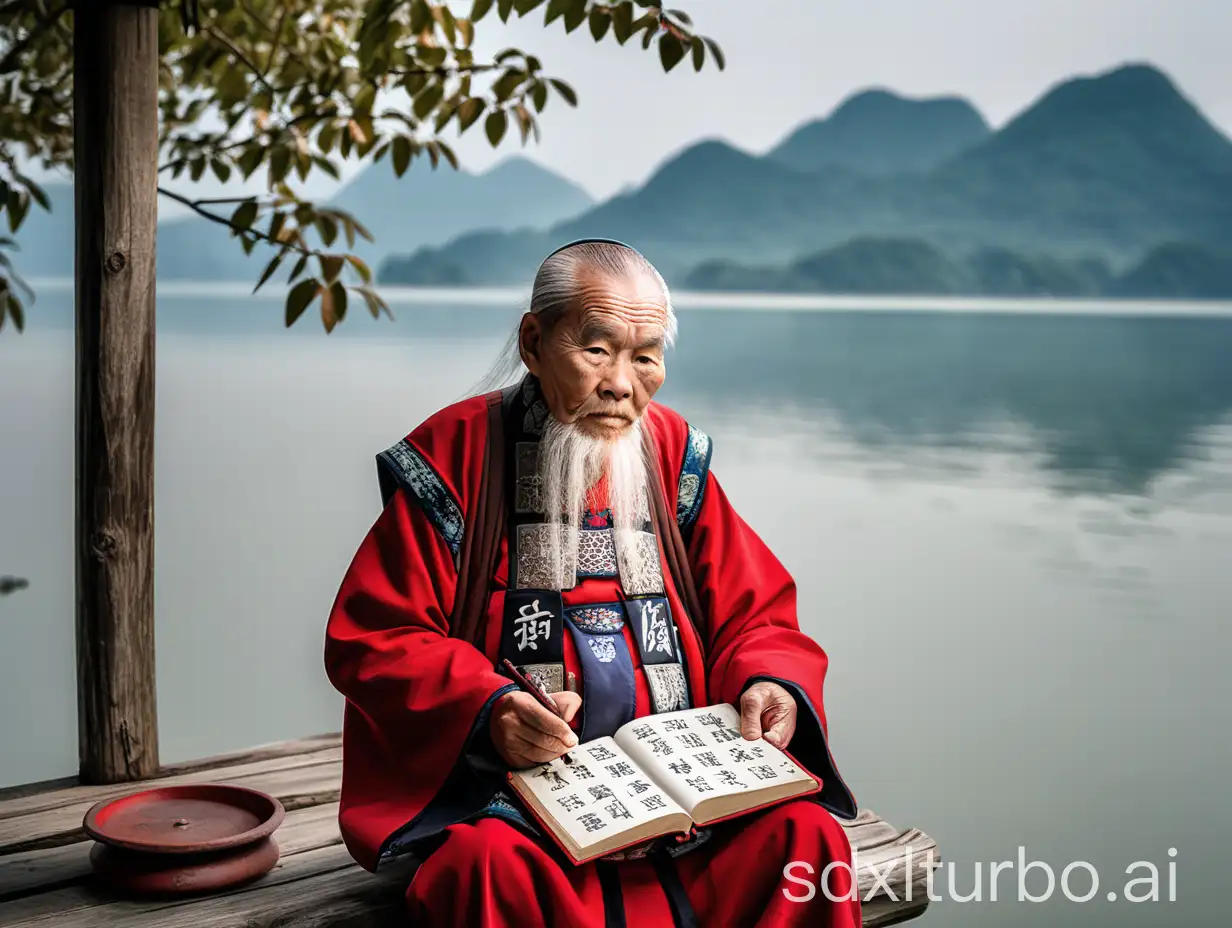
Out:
{"x": 541, "y": 524}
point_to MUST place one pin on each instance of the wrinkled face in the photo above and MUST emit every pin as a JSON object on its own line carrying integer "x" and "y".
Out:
{"x": 603, "y": 361}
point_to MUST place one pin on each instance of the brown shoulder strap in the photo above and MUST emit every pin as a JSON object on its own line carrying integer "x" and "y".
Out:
{"x": 675, "y": 552}
{"x": 483, "y": 533}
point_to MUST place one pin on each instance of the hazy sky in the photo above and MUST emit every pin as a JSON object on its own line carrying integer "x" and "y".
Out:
{"x": 793, "y": 60}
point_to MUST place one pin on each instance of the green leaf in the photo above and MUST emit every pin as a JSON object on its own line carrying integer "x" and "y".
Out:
{"x": 375, "y": 303}
{"x": 421, "y": 13}
{"x": 401, "y": 147}
{"x": 525, "y": 6}
{"x": 698, "y": 47}
{"x": 365, "y": 274}
{"x": 15, "y": 310}
{"x": 576, "y": 15}
{"x": 326, "y": 137}
{"x": 298, "y": 268}
{"x": 362, "y": 229}
{"x": 331, "y": 267}
{"x": 466, "y": 30}
{"x": 431, "y": 56}
{"x": 556, "y": 9}
{"x": 251, "y": 159}
{"x": 338, "y": 292}
{"x": 300, "y": 296}
{"x": 539, "y": 96}
{"x": 244, "y": 215}
{"x": 507, "y": 83}
{"x": 480, "y": 10}
{"x": 495, "y": 126}
{"x": 279, "y": 164}
{"x": 504, "y": 8}
{"x": 622, "y": 22}
{"x": 468, "y": 112}
{"x": 448, "y": 153}
{"x": 18, "y": 205}
{"x": 565, "y": 91}
{"x": 448, "y": 23}
{"x": 599, "y": 22}
{"x": 427, "y": 101}
{"x": 680, "y": 15}
{"x": 269, "y": 270}
{"x": 232, "y": 85}
{"x": 717, "y": 53}
{"x": 277, "y": 220}
{"x": 221, "y": 170}
{"x": 36, "y": 192}
{"x": 326, "y": 165}
{"x": 364, "y": 99}
{"x": 327, "y": 228}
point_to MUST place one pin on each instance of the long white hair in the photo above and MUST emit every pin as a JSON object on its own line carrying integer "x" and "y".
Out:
{"x": 554, "y": 290}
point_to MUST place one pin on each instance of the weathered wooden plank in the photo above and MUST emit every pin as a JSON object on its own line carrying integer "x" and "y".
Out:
{"x": 90, "y": 905}
{"x": 115, "y": 110}
{"x": 323, "y": 889}
{"x": 298, "y": 786}
{"x": 891, "y": 863}
{"x": 870, "y": 834}
{"x": 77, "y": 794}
{"x": 51, "y": 868}
{"x": 264, "y": 752}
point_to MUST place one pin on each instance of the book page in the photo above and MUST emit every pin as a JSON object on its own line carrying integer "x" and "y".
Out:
{"x": 707, "y": 766}
{"x": 601, "y": 801}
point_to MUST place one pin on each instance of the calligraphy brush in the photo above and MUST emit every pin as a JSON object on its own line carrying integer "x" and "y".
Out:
{"x": 526, "y": 685}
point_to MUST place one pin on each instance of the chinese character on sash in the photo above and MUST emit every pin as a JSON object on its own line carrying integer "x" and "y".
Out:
{"x": 532, "y": 625}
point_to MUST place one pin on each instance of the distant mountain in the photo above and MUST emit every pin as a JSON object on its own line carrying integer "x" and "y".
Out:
{"x": 421, "y": 207}
{"x": 1104, "y": 167}
{"x": 864, "y": 265}
{"x": 1121, "y": 157}
{"x": 1180, "y": 270}
{"x": 879, "y": 132}
{"x": 426, "y": 206}
{"x": 910, "y": 266}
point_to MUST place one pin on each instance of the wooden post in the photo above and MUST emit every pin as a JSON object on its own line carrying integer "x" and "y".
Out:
{"x": 115, "y": 110}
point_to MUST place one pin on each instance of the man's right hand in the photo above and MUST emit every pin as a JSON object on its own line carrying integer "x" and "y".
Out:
{"x": 524, "y": 733}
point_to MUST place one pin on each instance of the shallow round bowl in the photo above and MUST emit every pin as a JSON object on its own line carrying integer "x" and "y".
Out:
{"x": 191, "y": 819}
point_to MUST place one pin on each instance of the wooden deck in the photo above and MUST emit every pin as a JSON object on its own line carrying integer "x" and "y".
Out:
{"x": 45, "y": 875}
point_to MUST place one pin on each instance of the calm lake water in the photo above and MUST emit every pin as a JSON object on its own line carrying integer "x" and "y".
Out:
{"x": 1012, "y": 533}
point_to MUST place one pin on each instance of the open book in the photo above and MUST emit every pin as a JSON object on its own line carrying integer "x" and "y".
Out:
{"x": 658, "y": 775}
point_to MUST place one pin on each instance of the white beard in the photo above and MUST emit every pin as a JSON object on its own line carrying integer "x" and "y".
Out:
{"x": 570, "y": 463}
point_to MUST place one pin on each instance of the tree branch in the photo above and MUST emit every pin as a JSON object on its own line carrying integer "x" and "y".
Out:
{"x": 196, "y": 207}
{"x": 235, "y": 50}
{"x": 276, "y": 131}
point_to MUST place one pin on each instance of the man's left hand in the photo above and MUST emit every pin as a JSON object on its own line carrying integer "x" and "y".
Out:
{"x": 768, "y": 711}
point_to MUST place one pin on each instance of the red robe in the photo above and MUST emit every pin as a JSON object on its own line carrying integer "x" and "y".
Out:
{"x": 417, "y": 700}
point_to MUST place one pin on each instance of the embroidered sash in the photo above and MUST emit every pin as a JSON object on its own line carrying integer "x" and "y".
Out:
{"x": 606, "y": 664}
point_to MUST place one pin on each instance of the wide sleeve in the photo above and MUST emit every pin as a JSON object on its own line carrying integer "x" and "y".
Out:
{"x": 752, "y": 632}
{"x": 417, "y": 699}
{"x": 388, "y": 649}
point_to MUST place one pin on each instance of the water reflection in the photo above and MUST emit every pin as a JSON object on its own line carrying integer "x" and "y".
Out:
{"x": 1107, "y": 404}
{"x": 1100, "y": 404}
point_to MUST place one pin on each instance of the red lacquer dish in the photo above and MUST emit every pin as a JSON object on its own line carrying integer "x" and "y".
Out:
{"x": 199, "y": 837}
